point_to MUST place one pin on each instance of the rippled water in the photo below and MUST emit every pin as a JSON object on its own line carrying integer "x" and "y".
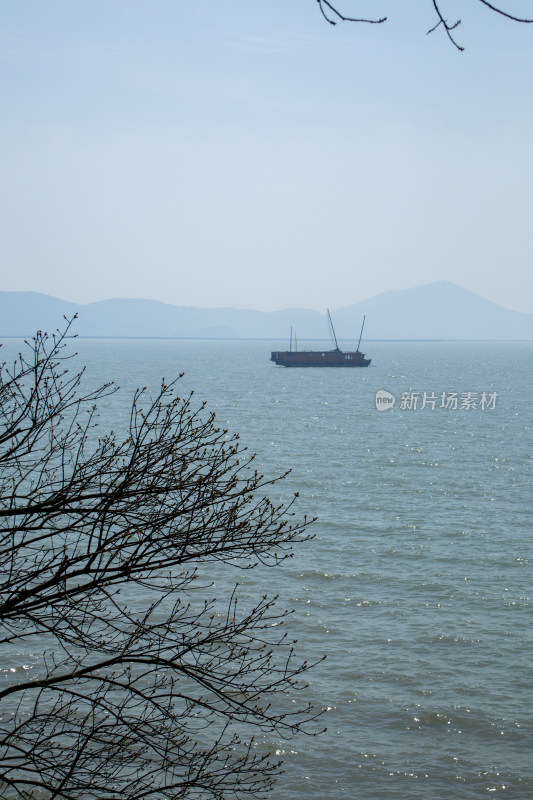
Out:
{"x": 417, "y": 585}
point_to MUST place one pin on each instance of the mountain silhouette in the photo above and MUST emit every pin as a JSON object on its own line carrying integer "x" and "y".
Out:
{"x": 439, "y": 310}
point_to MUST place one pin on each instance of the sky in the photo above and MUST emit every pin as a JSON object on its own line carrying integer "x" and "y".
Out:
{"x": 245, "y": 153}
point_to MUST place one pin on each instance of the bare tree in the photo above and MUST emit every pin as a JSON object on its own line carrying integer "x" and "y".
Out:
{"x": 142, "y": 685}
{"x": 332, "y": 14}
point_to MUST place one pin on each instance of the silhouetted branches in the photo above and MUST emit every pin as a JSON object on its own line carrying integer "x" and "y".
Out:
{"x": 331, "y": 13}
{"x": 128, "y": 677}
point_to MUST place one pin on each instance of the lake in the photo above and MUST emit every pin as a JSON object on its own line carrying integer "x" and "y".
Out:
{"x": 417, "y": 585}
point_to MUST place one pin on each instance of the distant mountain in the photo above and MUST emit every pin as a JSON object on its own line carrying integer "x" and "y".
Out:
{"x": 21, "y": 313}
{"x": 439, "y": 310}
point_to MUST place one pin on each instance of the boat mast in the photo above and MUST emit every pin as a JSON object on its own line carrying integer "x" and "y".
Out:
{"x": 290, "y": 347}
{"x": 332, "y": 330}
{"x": 361, "y": 334}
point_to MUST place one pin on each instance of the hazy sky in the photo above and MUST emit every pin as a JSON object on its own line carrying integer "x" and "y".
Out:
{"x": 245, "y": 153}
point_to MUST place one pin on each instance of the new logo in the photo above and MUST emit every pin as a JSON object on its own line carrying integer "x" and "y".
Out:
{"x": 384, "y": 400}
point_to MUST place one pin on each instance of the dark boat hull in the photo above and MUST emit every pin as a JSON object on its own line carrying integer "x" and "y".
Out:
{"x": 319, "y": 358}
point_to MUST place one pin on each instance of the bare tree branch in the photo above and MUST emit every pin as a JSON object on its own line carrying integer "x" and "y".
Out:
{"x": 337, "y": 13}
{"x": 330, "y": 11}
{"x": 506, "y": 14}
{"x": 447, "y": 27}
{"x": 144, "y": 683}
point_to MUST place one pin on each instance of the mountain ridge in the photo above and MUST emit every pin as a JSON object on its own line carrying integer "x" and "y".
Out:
{"x": 438, "y": 310}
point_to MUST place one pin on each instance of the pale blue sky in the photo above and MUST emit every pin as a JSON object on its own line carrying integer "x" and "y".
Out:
{"x": 244, "y": 153}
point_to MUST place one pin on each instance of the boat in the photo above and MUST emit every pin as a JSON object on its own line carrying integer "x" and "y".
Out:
{"x": 321, "y": 358}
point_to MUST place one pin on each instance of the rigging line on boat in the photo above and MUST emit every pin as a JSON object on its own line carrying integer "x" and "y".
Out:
{"x": 332, "y": 330}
